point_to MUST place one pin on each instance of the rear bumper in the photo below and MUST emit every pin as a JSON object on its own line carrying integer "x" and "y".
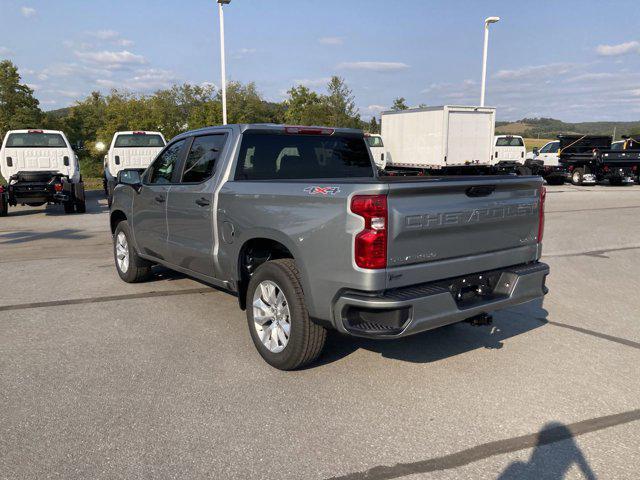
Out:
{"x": 409, "y": 310}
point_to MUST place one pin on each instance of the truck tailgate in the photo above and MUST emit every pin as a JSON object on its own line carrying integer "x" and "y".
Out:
{"x": 455, "y": 220}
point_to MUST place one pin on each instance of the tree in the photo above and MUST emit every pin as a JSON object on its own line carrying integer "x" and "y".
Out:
{"x": 399, "y": 104}
{"x": 341, "y": 105}
{"x": 18, "y": 107}
{"x": 373, "y": 126}
{"x": 304, "y": 107}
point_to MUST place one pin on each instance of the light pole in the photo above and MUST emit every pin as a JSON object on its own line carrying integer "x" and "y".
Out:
{"x": 484, "y": 55}
{"x": 222, "y": 60}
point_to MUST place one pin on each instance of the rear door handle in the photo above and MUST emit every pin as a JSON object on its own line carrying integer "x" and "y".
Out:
{"x": 203, "y": 202}
{"x": 159, "y": 199}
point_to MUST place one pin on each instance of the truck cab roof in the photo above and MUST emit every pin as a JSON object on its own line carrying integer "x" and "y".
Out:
{"x": 273, "y": 127}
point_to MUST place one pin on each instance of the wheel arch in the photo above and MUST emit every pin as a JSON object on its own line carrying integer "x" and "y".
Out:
{"x": 116, "y": 217}
{"x": 253, "y": 253}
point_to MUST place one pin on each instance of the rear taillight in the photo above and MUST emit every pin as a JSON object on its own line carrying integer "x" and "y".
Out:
{"x": 543, "y": 196}
{"x": 371, "y": 243}
{"x": 57, "y": 187}
{"x": 606, "y": 168}
{"x": 139, "y": 133}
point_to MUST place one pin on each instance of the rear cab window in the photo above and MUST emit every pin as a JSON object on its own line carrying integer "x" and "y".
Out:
{"x": 36, "y": 140}
{"x": 509, "y": 142}
{"x": 281, "y": 156}
{"x": 138, "y": 140}
{"x": 374, "y": 141}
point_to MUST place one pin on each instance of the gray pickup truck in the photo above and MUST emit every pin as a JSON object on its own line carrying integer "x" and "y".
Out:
{"x": 297, "y": 222}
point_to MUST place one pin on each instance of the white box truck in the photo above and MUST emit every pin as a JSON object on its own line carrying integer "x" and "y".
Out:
{"x": 452, "y": 139}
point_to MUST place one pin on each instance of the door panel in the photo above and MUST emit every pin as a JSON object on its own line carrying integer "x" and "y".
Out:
{"x": 150, "y": 204}
{"x": 150, "y": 220}
{"x": 190, "y": 207}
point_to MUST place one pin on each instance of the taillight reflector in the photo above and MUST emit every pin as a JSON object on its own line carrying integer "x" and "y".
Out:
{"x": 370, "y": 249}
{"x": 543, "y": 197}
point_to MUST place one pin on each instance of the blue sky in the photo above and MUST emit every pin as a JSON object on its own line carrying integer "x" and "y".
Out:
{"x": 573, "y": 60}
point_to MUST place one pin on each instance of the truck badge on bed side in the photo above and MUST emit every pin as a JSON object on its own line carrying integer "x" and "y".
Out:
{"x": 315, "y": 190}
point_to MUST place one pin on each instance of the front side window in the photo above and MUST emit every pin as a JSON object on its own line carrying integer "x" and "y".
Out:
{"x": 138, "y": 140}
{"x": 550, "y": 147}
{"x": 202, "y": 158}
{"x": 36, "y": 140}
{"x": 162, "y": 169}
{"x": 265, "y": 156}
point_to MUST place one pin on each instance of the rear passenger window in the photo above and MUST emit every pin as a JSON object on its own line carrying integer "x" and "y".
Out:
{"x": 202, "y": 158}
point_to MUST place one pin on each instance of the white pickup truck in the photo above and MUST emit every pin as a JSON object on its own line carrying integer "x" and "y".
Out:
{"x": 130, "y": 150}
{"x": 40, "y": 167}
{"x": 509, "y": 149}
{"x": 376, "y": 147}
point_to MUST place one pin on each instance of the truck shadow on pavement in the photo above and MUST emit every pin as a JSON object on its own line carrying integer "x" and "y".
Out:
{"x": 556, "y": 452}
{"x": 25, "y": 236}
{"x": 444, "y": 342}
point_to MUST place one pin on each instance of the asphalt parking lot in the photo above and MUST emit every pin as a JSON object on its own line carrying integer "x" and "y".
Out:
{"x": 101, "y": 379}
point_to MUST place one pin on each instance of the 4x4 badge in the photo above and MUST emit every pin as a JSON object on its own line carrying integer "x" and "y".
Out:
{"x": 315, "y": 190}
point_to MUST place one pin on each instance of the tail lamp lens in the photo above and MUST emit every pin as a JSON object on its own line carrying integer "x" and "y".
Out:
{"x": 543, "y": 197}
{"x": 57, "y": 187}
{"x": 371, "y": 243}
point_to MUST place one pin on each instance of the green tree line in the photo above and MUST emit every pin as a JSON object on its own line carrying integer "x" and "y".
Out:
{"x": 174, "y": 110}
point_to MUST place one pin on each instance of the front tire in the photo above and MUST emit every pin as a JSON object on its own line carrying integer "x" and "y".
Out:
{"x": 278, "y": 318}
{"x": 577, "y": 176}
{"x": 131, "y": 268}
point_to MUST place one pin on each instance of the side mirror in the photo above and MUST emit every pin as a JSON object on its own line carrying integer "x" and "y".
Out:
{"x": 536, "y": 151}
{"x": 130, "y": 177}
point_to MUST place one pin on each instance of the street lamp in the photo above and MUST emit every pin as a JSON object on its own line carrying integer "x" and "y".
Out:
{"x": 222, "y": 60}
{"x": 484, "y": 55}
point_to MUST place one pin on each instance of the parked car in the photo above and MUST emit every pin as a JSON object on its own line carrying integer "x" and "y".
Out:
{"x": 130, "y": 150}
{"x": 298, "y": 224}
{"x": 376, "y": 146}
{"x": 545, "y": 162}
{"x": 40, "y": 167}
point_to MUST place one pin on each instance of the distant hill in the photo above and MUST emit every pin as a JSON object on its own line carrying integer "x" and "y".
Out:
{"x": 550, "y": 127}
{"x": 59, "y": 113}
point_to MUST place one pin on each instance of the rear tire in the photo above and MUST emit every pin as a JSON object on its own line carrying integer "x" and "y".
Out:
{"x": 69, "y": 207}
{"x": 616, "y": 181}
{"x": 522, "y": 170}
{"x": 555, "y": 180}
{"x": 81, "y": 206}
{"x": 4, "y": 207}
{"x": 270, "y": 316}
{"x": 131, "y": 268}
{"x": 577, "y": 176}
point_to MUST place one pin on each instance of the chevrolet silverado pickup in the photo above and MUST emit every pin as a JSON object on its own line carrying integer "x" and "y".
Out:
{"x": 298, "y": 224}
